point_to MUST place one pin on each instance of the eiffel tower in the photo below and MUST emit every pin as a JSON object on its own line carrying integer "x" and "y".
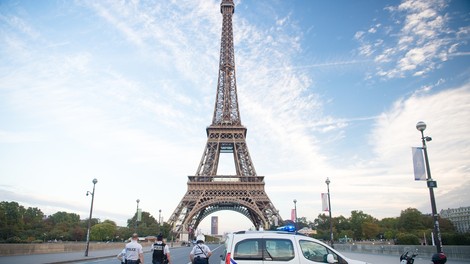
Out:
{"x": 208, "y": 192}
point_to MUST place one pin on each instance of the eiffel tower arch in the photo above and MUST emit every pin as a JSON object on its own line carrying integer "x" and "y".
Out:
{"x": 207, "y": 191}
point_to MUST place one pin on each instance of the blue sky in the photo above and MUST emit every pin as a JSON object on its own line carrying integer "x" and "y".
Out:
{"x": 122, "y": 91}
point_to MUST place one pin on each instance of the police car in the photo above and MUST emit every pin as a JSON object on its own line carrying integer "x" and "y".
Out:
{"x": 279, "y": 247}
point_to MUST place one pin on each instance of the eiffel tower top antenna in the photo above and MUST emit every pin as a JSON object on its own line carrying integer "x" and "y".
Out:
{"x": 226, "y": 111}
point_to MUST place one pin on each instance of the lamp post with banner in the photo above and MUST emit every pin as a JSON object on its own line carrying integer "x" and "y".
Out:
{"x": 421, "y": 126}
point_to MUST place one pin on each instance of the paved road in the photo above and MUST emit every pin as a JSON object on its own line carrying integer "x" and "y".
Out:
{"x": 180, "y": 256}
{"x": 389, "y": 259}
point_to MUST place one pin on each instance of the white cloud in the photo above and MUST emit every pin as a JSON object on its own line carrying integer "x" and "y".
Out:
{"x": 422, "y": 42}
{"x": 16, "y": 137}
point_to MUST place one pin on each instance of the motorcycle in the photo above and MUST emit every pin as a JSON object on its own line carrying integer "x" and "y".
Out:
{"x": 407, "y": 259}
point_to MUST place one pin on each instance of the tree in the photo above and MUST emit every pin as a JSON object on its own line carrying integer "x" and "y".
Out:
{"x": 103, "y": 232}
{"x": 147, "y": 226}
{"x": 63, "y": 226}
{"x": 390, "y": 234}
{"x": 12, "y": 222}
{"x": 341, "y": 223}
{"x": 388, "y": 223}
{"x": 370, "y": 230}
{"x": 322, "y": 222}
{"x": 356, "y": 220}
{"x": 411, "y": 219}
{"x": 302, "y": 222}
{"x": 407, "y": 239}
{"x": 123, "y": 233}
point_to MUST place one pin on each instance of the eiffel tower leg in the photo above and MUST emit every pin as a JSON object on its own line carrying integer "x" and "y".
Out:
{"x": 210, "y": 159}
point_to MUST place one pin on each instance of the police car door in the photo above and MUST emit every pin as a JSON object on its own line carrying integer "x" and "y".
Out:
{"x": 279, "y": 250}
{"x": 313, "y": 252}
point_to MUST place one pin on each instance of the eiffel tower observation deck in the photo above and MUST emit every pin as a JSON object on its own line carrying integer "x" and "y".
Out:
{"x": 207, "y": 191}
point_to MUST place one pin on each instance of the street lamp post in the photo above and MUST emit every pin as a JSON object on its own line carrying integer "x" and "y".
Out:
{"x": 160, "y": 216}
{"x": 421, "y": 126}
{"x": 295, "y": 211}
{"x": 89, "y": 219}
{"x": 329, "y": 211}
{"x": 137, "y": 215}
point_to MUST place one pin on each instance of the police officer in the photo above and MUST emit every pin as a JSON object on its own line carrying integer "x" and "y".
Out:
{"x": 122, "y": 256}
{"x": 134, "y": 252}
{"x": 160, "y": 251}
{"x": 200, "y": 253}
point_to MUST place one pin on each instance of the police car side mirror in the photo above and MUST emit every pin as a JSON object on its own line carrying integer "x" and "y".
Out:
{"x": 330, "y": 258}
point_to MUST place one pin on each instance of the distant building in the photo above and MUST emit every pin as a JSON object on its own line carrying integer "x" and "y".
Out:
{"x": 460, "y": 217}
{"x": 215, "y": 225}
{"x": 307, "y": 231}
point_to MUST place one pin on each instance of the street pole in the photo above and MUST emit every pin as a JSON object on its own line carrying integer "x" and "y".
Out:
{"x": 329, "y": 211}
{"x": 89, "y": 219}
{"x": 295, "y": 211}
{"x": 136, "y": 215}
{"x": 421, "y": 126}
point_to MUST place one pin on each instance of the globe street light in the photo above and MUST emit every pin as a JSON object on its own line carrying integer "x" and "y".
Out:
{"x": 329, "y": 211}
{"x": 89, "y": 219}
{"x": 421, "y": 126}
{"x": 137, "y": 215}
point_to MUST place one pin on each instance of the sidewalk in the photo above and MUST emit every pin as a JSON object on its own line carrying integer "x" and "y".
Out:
{"x": 56, "y": 258}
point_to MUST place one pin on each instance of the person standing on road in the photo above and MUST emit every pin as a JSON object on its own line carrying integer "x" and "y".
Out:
{"x": 160, "y": 252}
{"x": 122, "y": 256}
{"x": 134, "y": 252}
{"x": 200, "y": 253}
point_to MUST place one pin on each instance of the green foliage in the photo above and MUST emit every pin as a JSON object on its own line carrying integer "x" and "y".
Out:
{"x": 346, "y": 234}
{"x": 361, "y": 226}
{"x": 322, "y": 222}
{"x": 29, "y": 225}
{"x": 407, "y": 239}
{"x": 411, "y": 219}
{"x": 103, "y": 232}
{"x": 370, "y": 230}
{"x": 13, "y": 239}
{"x": 64, "y": 218}
{"x": 390, "y": 234}
{"x": 356, "y": 221}
{"x": 455, "y": 239}
{"x": 446, "y": 225}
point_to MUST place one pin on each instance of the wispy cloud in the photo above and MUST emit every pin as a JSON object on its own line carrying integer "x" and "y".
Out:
{"x": 422, "y": 41}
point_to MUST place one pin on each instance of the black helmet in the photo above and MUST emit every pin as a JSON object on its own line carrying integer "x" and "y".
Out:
{"x": 439, "y": 258}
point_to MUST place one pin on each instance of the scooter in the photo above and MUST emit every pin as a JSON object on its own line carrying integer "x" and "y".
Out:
{"x": 407, "y": 259}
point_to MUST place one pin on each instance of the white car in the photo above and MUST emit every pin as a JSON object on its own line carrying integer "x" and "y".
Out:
{"x": 279, "y": 247}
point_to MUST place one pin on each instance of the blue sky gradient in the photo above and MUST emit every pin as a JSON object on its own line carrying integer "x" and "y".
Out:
{"x": 122, "y": 91}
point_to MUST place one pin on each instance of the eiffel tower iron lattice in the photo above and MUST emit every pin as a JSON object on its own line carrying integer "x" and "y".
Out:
{"x": 208, "y": 192}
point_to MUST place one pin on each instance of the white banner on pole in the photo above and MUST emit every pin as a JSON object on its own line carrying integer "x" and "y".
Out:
{"x": 324, "y": 202}
{"x": 418, "y": 164}
{"x": 139, "y": 215}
